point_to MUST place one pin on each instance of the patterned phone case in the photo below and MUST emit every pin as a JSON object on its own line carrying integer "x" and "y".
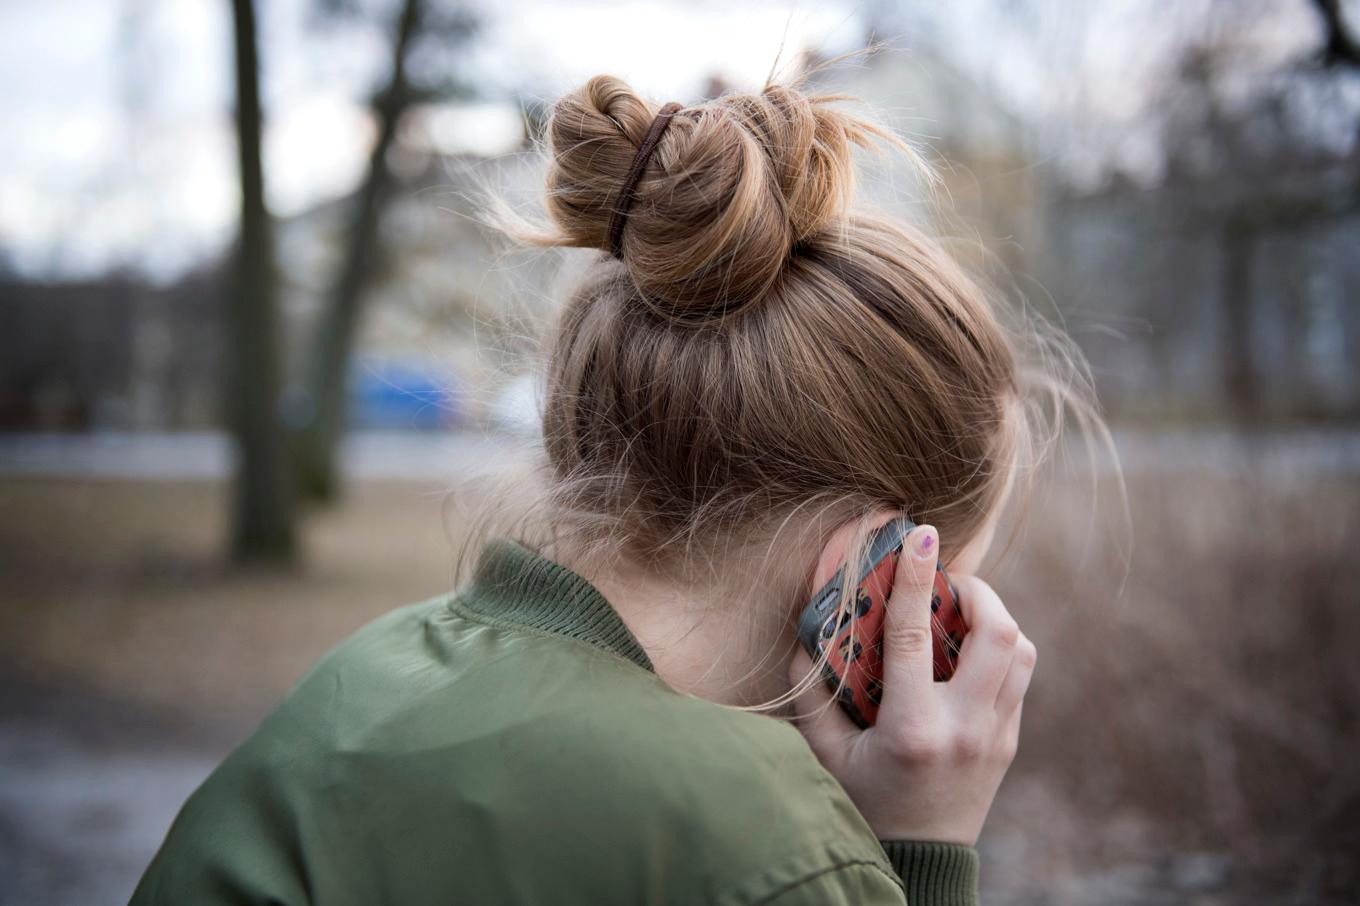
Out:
{"x": 855, "y": 639}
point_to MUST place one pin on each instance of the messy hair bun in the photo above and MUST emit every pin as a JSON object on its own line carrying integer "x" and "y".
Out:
{"x": 732, "y": 187}
{"x": 761, "y": 362}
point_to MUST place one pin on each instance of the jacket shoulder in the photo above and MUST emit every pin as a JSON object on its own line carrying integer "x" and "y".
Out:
{"x": 730, "y": 805}
{"x": 428, "y": 759}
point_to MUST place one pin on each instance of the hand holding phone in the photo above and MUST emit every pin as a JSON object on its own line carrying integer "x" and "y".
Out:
{"x": 930, "y": 765}
{"x": 853, "y": 638}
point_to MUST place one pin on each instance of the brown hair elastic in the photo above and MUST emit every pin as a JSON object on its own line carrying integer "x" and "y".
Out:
{"x": 624, "y": 200}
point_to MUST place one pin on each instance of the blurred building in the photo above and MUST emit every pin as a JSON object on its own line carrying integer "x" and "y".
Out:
{"x": 450, "y": 318}
{"x": 115, "y": 353}
{"x": 450, "y": 299}
{"x": 1221, "y": 289}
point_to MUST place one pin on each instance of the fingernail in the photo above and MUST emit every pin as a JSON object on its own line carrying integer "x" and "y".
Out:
{"x": 924, "y": 546}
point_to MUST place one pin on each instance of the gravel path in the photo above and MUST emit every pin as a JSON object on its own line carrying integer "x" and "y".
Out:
{"x": 87, "y": 792}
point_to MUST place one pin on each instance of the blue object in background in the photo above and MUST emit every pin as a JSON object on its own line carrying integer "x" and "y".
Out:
{"x": 403, "y": 396}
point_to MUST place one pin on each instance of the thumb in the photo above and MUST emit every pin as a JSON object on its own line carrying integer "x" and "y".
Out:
{"x": 818, "y": 716}
{"x": 908, "y": 666}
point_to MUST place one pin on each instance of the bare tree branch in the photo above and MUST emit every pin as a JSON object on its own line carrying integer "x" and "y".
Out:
{"x": 1342, "y": 48}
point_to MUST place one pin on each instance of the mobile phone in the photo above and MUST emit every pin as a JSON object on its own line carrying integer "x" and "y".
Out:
{"x": 854, "y": 638}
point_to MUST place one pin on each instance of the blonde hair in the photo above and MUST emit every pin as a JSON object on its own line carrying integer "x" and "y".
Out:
{"x": 760, "y": 351}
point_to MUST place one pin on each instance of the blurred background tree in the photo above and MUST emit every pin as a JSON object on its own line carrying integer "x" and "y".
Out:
{"x": 263, "y": 520}
{"x": 323, "y": 418}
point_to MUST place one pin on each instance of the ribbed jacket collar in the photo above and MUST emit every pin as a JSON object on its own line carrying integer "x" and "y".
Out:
{"x": 515, "y": 584}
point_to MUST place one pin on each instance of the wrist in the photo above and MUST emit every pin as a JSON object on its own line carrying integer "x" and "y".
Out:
{"x": 952, "y": 832}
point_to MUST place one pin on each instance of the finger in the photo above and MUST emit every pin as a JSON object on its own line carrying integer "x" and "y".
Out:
{"x": 1016, "y": 684}
{"x": 1011, "y": 731}
{"x": 908, "y": 664}
{"x": 827, "y": 728}
{"x": 989, "y": 646}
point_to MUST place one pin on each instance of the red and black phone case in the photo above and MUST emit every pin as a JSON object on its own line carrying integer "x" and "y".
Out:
{"x": 853, "y": 640}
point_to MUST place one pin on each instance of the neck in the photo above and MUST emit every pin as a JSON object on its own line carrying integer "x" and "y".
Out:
{"x": 725, "y": 645}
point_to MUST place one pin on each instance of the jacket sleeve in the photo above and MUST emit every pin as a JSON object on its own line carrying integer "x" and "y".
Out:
{"x": 932, "y": 874}
{"x": 237, "y": 841}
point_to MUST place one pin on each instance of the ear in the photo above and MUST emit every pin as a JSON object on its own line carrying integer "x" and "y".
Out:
{"x": 838, "y": 545}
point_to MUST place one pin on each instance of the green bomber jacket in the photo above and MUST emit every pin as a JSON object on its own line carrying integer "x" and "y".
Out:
{"x": 512, "y": 743}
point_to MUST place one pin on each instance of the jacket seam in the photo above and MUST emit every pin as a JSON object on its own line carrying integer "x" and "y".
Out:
{"x": 825, "y": 870}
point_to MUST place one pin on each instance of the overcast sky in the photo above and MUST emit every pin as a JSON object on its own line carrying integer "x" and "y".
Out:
{"x": 118, "y": 145}
{"x": 118, "y": 142}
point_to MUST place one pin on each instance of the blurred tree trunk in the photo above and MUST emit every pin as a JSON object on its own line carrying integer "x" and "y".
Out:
{"x": 1235, "y": 290}
{"x": 1341, "y": 48}
{"x": 263, "y": 526}
{"x": 327, "y": 375}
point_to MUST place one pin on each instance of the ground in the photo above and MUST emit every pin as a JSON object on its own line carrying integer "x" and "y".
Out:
{"x": 1186, "y": 738}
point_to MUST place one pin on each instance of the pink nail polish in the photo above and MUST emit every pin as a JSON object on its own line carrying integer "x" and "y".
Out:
{"x": 926, "y": 545}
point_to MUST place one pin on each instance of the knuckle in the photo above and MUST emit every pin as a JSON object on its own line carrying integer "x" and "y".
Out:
{"x": 911, "y": 639}
{"x": 915, "y": 746}
{"x": 1028, "y": 654}
{"x": 969, "y": 745}
{"x": 1008, "y": 748}
{"x": 971, "y": 583}
{"x": 963, "y": 583}
{"x": 1006, "y": 631}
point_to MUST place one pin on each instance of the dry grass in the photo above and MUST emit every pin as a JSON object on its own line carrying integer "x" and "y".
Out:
{"x": 1210, "y": 713}
{"x": 1196, "y": 735}
{"x": 120, "y": 586}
